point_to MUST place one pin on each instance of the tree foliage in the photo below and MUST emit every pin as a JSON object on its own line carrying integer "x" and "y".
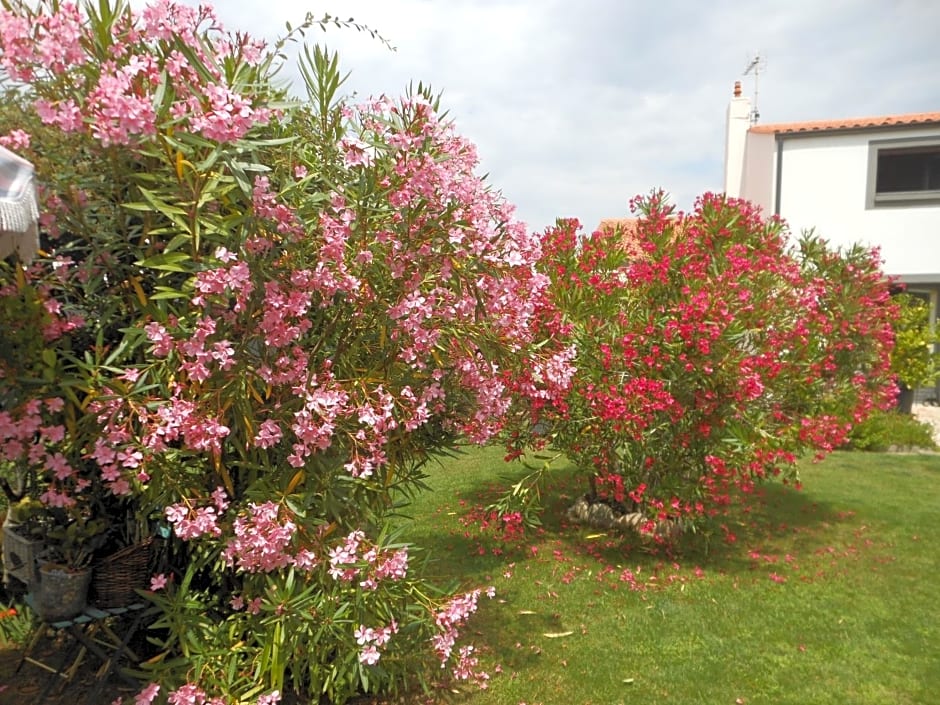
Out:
{"x": 914, "y": 359}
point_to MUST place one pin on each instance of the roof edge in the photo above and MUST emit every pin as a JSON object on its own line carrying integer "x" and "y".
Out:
{"x": 864, "y": 123}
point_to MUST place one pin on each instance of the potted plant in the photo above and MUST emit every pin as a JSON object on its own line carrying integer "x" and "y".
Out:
{"x": 65, "y": 564}
{"x": 913, "y": 359}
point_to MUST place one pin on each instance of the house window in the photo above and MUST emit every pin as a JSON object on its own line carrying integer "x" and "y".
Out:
{"x": 903, "y": 173}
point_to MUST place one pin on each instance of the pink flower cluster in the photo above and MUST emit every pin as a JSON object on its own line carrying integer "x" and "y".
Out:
{"x": 467, "y": 667}
{"x": 118, "y": 113}
{"x": 130, "y": 437}
{"x": 268, "y": 206}
{"x": 45, "y": 42}
{"x": 147, "y": 695}
{"x": 314, "y": 425}
{"x": 371, "y": 640}
{"x": 233, "y": 278}
{"x": 57, "y": 320}
{"x": 15, "y": 140}
{"x": 60, "y": 322}
{"x": 454, "y": 614}
{"x": 227, "y": 117}
{"x": 28, "y": 438}
{"x": 120, "y": 103}
{"x": 261, "y": 541}
{"x": 191, "y": 694}
{"x": 357, "y": 558}
{"x": 181, "y": 419}
{"x": 200, "y": 352}
{"x": 190, "y": 522}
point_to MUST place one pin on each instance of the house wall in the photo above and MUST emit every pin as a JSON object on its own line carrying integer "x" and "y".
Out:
{"x": 824, "y": 186}
{"x": 757, "y": 184}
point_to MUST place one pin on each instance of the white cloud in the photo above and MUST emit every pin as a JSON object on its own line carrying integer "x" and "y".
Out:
{"x": 577, "y": 107}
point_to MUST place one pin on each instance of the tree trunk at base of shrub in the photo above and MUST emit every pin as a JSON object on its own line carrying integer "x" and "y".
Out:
{"x": 600, "y": 514}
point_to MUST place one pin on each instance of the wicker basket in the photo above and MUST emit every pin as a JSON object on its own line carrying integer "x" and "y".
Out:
{"x": 117, "y": 576}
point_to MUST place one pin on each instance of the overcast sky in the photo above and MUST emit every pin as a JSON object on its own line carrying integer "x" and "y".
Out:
{"x": 577, "y": 107}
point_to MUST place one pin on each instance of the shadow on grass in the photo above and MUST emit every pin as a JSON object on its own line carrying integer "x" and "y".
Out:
{"x": 464, "y": 540}
{"x": 572, "y": 603}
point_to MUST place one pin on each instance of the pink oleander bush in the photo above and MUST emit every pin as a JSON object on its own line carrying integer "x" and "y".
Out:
{"x": 258, "y": 320}
{"x": 709, "y": 355}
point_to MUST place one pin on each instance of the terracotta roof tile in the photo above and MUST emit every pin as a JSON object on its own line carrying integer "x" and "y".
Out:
{"x": 628, "y": 232}
{"x": 792, "y": 128}
{"x": 610, "y": 224}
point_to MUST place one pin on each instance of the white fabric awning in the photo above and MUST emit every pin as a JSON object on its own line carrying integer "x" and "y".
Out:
{"x": 19, "y": 210}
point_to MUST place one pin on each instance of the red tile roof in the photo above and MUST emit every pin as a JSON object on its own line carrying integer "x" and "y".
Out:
{"x": 627, "y": 232}
{"x": 792, "y": 128}
{"x": 628, "y": 225}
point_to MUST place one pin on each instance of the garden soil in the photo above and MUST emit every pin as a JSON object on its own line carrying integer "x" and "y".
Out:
{"x": 25, "y": 687}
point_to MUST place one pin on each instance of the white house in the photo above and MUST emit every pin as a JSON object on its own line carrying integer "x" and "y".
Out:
{"x": 871, "y": 180}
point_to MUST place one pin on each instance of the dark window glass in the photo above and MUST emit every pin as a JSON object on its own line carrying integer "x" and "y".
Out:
{"x": 914, "y": 169}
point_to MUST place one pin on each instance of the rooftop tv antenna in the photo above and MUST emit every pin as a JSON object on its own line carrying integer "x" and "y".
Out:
{"x": 755, "y": 65}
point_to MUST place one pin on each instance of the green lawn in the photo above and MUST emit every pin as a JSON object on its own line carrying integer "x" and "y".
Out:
{"x": 827, "y": 595}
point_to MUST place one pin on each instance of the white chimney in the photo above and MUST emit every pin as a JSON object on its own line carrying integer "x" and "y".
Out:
{"x": 738, "y": 122}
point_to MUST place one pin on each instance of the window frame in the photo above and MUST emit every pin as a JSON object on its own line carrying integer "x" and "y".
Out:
{"x": 873, "y": 199}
